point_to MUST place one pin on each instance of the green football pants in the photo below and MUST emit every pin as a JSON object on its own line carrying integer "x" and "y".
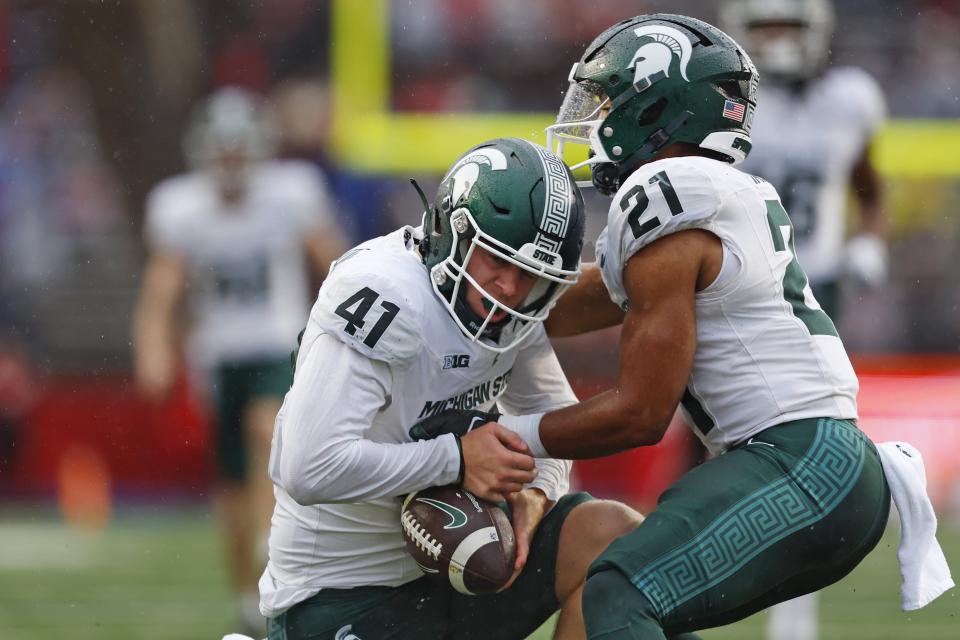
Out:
{"x": 790, "y": 511}
{"x": 235, "y": 386}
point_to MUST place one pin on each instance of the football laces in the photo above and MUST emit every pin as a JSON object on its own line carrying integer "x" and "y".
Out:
{"x": 424, "y": 541}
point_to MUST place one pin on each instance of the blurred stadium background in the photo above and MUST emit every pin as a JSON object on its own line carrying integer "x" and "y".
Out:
{"x": 104, "y": 529}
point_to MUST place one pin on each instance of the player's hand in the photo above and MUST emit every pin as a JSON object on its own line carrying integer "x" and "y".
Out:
{"x": 155, "y": 374}
{"x": 455, "y": 421}
{"x": 496, "y": 462}
{"x": 865, "y": 260}
{"x": 527, "y": 508}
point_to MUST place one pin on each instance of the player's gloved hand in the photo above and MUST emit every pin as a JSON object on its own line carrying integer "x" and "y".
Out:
{"x": 865, "y": 260}
{"x": 455, "y": 421}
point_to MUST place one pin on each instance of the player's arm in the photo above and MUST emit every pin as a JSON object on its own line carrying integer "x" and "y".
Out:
{"x": 322, "y": 453}
{"x": 536, "y": 385}
{"x": 369, "y": 312}
{"x": 865, "y": 255}
{"x": 584, "y": 307}
{"x": 154, "y": 334}
{"x": 868, "y": 190}
{"x": 658, "y": 342}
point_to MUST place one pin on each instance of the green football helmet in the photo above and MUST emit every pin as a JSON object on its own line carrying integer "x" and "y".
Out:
{"x": 650, "y": 81}
{"x": 519, "y": 202}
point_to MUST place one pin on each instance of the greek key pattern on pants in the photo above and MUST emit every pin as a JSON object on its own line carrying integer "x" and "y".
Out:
{"x": 813, "y": 487}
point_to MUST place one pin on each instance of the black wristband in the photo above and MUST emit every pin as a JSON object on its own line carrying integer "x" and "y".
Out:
{"x": 463, "y": 464}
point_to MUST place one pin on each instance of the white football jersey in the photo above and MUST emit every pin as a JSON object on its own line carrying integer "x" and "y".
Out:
{"x": 806, "y": 142}
{"x": 247, "y": 274}
{"x": 379, "y": 353}
{"x": 766, "y": 353}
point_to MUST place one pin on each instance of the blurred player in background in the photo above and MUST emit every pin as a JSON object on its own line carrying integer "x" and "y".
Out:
{"x": 812, "y": 135}
{"x": 239, "y": 237}
{"x": 446, "y": 314}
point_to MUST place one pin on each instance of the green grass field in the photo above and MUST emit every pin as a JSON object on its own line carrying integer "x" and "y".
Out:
{"x": 157, "y": 574}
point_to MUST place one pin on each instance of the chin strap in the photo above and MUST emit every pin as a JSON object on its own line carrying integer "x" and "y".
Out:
{"x": 423, "y": 198}
{"x": 606, "y": 178}
{"x": 659, "y": 138}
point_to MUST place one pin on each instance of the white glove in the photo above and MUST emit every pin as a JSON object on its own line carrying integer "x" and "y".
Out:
{"x": 865, "y": 260}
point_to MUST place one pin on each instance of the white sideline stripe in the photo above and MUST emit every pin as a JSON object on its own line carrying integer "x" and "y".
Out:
{"x": 463, "y": 552}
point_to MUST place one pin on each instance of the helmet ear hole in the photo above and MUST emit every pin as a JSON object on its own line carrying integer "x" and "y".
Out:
{"x": 652, "y": 113}
{"x": 731, "y": 89}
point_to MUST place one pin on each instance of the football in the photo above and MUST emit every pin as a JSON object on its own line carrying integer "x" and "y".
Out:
{"x": 458, "y": 538}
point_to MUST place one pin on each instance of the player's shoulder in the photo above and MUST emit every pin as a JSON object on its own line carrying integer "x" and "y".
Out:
{"x": 693, "y": 177}
{"x": 661, "y": 198}
{"x": 290, "y": 170}
{"x": 177, "y": 189}
{"x": 175, "y": 202}
{"x": 375, "y": 297}
{"x": 666, "y": 196}
{"x": 289, "y": 177}
{"x": 854, "y": 90}
{"x": 848, "y": 78}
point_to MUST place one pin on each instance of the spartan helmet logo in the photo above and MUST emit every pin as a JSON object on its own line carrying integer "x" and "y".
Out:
{"x": 652, "y": 60}
{"x": 467, "y": 170}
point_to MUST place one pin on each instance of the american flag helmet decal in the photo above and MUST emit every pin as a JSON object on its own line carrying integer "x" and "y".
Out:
{"x": 734, "y": 110}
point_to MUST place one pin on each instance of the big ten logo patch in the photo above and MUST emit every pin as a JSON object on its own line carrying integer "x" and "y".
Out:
{"x": 461, "y": 361}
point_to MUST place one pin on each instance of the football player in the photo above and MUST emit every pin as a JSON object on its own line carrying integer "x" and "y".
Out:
{"x": 812, "y": 135}
{"x": 233, "y": 238}
{"x": 445, "y": 315}
{"x": 698, "y": 263}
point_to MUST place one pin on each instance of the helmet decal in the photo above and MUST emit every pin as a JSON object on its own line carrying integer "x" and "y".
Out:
{"x": 556, "y": 206}
{"x": 466, "y": 171}
{"x": 654, "y": 58}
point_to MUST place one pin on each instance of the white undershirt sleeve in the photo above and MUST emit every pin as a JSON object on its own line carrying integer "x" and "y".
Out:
{"x": 320, "y": 453}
